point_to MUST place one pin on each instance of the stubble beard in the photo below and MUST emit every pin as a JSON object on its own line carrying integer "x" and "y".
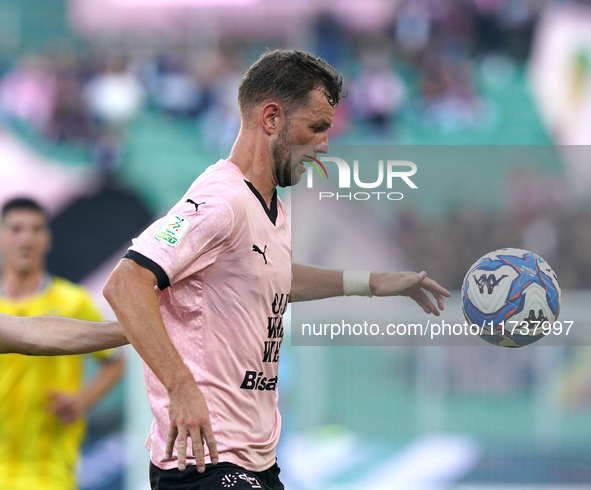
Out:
{"x": 285, "y": 174}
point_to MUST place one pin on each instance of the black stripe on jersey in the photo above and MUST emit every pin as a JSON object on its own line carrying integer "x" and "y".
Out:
{"x": 145, "y": 262}
{"x": 271, "y": 213}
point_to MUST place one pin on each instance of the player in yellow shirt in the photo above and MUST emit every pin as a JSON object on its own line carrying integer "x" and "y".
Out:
{"x": 42, "y": 399}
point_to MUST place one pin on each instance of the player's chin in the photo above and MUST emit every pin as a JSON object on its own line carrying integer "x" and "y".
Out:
{"x": 25, "y": 266}
{"x": 296, "y": 174}
{"x": 293, "y": 179}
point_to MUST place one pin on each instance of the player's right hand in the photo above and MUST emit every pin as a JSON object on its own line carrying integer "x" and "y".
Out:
{"x": 412, "y": 284}
{"x": 189, "y": 417}
{"x": 66, "y": 406}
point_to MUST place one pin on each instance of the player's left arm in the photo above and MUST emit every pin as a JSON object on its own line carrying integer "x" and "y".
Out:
{"x": 310, "y": 283}
{"x": 57, "y": 336}
{"x": 70, "y": 407}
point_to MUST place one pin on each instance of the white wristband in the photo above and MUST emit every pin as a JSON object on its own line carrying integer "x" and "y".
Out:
{"x": 356, "y": 283}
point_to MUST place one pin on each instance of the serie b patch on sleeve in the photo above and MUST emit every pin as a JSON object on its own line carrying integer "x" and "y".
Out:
{"x": 173, "y": 229}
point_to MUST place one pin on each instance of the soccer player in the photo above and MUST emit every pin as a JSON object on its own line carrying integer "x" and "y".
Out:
{"x": 42, "y": 402}
{"x": 197, "y": 291}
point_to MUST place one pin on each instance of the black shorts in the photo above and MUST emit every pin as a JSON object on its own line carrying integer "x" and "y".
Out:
{"x": 222, "y": 476}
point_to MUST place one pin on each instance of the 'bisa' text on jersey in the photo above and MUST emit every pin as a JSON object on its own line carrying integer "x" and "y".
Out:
{"x": 254, "y": 380}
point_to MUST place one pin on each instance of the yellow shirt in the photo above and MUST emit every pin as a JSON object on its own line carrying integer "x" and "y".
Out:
{"x": 37, "y": 451}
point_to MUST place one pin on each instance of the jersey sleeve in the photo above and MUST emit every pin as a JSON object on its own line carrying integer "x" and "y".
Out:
{"x": 186, "y": 240}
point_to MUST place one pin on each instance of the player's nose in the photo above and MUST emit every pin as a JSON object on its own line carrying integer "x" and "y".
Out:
{"x": 322, "y": 146}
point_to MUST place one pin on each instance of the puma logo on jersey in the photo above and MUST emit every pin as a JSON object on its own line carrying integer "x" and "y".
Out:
{"x": 195, "y": 204}
{"x": 262, "y": 252}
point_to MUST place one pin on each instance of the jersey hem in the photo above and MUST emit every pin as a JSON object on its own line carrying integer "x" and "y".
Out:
{"x": 224, "y": 458}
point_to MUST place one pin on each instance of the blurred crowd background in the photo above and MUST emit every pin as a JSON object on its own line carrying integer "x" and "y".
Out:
{"x": 109, "y": 110}
{"x": 129, "y": 99}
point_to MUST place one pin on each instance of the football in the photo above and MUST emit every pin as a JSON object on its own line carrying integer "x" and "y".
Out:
{"x": 513, "y": 296}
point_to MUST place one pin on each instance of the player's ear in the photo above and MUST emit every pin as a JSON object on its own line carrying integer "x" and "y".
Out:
{"x": 272, "y": 117}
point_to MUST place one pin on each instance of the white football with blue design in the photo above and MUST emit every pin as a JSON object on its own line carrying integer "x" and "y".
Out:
{"x": 513, "y": 295}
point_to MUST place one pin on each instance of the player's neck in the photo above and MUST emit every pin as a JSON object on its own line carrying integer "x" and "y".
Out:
{"x": 251, "y": 156}
{"x": 20, "y": 285}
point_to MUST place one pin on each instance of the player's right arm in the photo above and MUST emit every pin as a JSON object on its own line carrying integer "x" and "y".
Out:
{"x": 130, "y": 292}
{"x": 55, "y": 336}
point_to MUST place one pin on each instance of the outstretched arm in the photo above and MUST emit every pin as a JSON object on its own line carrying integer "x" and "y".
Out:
{"x": 56, "y": 336}
{"x": 315, "y": 283}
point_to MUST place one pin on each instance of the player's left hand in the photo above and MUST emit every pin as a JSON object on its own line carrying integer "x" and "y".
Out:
{"x": 416, "y": 285}
{"x": 66, "y": 406}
